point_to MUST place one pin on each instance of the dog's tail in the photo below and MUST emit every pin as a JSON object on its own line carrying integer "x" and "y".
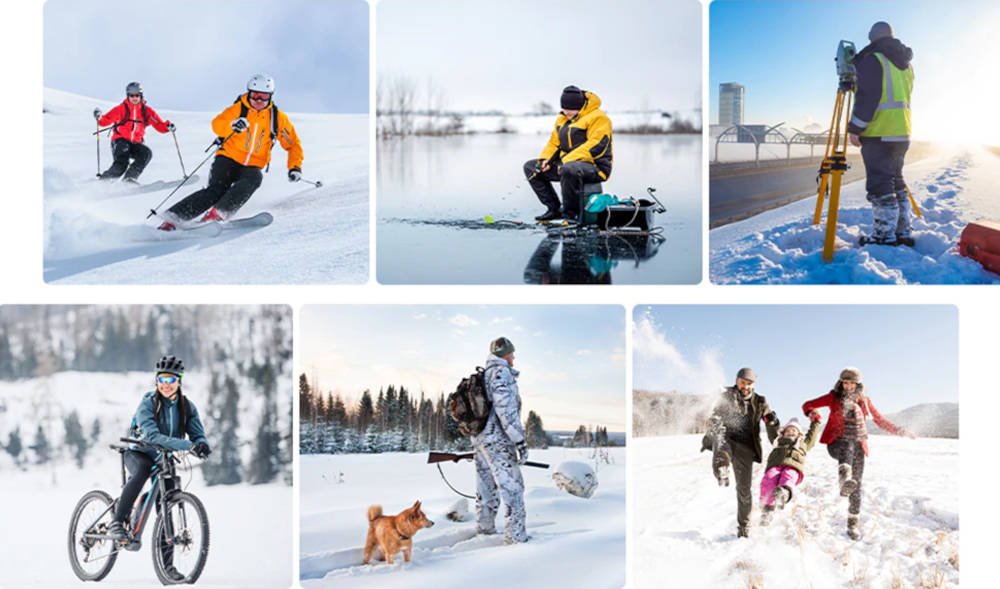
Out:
{"x": 374, "y": 512}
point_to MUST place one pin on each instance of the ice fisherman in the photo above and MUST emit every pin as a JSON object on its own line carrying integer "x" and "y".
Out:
{"x": 735, "y": 423}
{"x": 500, "y": 448}
{"x": 846, "y": 436}
{"x": 785, "y": 465}
{"x": 578, "y": 152}
{"x": 247, "y": 130}
{"x": 165, "y": 417}
{"x": 129, "y": 121}
{"x": 880, "y": 126}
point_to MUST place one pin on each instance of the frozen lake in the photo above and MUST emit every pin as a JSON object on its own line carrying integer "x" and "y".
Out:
{"x": 434, "y": 192}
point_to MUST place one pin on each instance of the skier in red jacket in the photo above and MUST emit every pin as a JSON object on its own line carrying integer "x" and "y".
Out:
{"x": 129, "y": 120}
{"x": 846, "y": 436}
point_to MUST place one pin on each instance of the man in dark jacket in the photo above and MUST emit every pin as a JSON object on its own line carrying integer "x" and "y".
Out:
{"x": 164, "y": 417}
{"x": 880, "y": 126}
{"x": 578, "y": 153}
{"x": 739, "y": 412}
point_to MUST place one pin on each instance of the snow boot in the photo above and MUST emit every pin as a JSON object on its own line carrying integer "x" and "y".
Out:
{"x": 549, "y": 215}
{"x": 117, "y": 532}
{"x": 766, "y": 514}
{"x": 212, "y": 215}
{"x": 782, "y": 495}
{"x": 720, "y": 467}
{"x": 853, "y": 527}
{"x": 742, "y": 532}
{"x": 847, "y": 483}
{"x": 906, "y": 240}
{"x": 877, "y": 240}
{"x": 174, "y": 574}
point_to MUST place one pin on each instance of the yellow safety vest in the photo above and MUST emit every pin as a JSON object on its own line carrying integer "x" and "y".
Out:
{"x": 892, "y": 118}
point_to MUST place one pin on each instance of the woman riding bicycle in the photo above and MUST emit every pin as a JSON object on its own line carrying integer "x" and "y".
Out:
{"x": 164, "y": 417}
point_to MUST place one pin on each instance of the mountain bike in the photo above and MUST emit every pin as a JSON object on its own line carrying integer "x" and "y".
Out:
{"x": 180, "y": 535}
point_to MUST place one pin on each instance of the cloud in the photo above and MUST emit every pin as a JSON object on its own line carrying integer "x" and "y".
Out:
{"x": 461, "y": 320}
{"x": 659, "y": 365}
{"x": 420, "y": 316}
{"x": 583, "y": 352}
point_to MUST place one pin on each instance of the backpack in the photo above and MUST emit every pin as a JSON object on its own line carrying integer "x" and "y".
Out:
{"x": 128, "y": 111}
{"x": 470, "y": 406}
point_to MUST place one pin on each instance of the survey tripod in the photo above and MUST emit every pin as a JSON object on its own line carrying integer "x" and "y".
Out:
{"x": 831, "y": 170}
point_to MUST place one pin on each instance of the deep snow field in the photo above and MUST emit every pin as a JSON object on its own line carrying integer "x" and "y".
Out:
{"x": 685, "y": 524}
{"x": 574, "y": 542}
{"x": 782, "y": 246}
{"x": 97, "y": 233}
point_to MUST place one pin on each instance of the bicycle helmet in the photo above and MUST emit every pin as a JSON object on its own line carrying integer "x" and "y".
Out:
{"x": 170, "y": 365}
{"x": 261, "y": 83}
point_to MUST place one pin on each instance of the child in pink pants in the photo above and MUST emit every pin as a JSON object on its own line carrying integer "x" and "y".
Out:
{"x": 785, "y": 464}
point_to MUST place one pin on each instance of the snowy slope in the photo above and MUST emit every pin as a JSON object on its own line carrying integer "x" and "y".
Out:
{"x": 98, "y": 233}
{"x": 685, "y": 524}
{"x": 574, "y": 542}
{"x": 781, "y": 246}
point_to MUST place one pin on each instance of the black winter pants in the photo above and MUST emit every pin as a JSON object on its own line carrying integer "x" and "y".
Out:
{"x": 571, "y": 176}
{"x": 123, "y": 151}
{"x": 140, "y": 466}
{"x": 230, "y": 186}
{"x": 850, "y": 452}
{"x": 743, "y": 459}
{"x": 883, "y": 165}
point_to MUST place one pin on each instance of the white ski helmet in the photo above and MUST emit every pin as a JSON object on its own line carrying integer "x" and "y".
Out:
{"x": 133, "y": 88}
{"x": 261, "y": 83}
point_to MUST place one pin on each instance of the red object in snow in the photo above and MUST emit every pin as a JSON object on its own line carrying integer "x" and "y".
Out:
{"x": 980, "y": 241}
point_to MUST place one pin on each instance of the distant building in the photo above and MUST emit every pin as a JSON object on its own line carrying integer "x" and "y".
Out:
{"x": 731, "y": 100}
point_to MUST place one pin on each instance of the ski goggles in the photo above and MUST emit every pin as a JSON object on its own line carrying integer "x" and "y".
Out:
{"x": 167, "y": 378}
{"x": 261, "y": 96}
{"x": 134, "y": 95}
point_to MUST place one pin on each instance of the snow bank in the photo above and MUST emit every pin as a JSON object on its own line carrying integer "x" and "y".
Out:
{"x": 782, "y": 246}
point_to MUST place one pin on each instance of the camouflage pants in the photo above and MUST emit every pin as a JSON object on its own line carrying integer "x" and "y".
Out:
{"x": 499, "y": 477}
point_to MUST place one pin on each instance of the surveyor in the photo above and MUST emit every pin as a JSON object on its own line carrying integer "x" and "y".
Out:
{"x": 738, "y": 413}
{"x": 880, "y": 126}
{"x": 500, "y": 448}
{"x": 247, "y": 130}
{"x": 578, "y": 152}
{"x": 128, "y": 147}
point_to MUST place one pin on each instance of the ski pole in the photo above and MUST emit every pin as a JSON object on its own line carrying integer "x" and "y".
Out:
{"x": 216, "y": 144}
{"x": 100, "y": 130}
{"x": 97, "y": 134}
{"x": 177, "y": 145}
{"x": 316, "y": 183}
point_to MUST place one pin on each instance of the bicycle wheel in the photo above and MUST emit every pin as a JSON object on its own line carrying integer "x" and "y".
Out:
{"x": 180, "y": 540}
{"x": 92, "y": 558}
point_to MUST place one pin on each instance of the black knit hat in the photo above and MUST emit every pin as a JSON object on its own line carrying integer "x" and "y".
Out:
{"x": 572, "y": 98}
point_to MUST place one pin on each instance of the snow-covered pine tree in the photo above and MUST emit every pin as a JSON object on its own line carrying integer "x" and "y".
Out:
{"x": 74, "y": 438}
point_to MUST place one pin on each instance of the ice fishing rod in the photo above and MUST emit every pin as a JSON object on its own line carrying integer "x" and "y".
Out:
{"x": 178, "y": 146}
{"x": 538, "y": 170}
{"x": 217, "y": 144}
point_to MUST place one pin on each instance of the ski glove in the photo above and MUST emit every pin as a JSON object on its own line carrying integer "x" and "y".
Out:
{"x": 522, "y": 452}
{"x": 294, "y": 175}
{"x": 97, "y": 113}
{"x": 171, "y": 127}
{"x": 240, "y": 124}
{"x": 201, "y": 450}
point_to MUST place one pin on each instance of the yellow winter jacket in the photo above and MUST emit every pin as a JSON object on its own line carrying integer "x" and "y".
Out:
{"x": 253, "y": 146}
{"x": 586, "y": 137}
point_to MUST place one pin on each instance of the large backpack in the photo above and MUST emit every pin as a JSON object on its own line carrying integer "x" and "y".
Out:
{"x": 469, "y": 406}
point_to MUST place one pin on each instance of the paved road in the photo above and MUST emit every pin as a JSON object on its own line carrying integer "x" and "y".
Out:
{"x": 742, "y": 193}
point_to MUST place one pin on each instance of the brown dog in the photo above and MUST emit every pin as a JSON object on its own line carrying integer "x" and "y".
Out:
{"x": 393, "y": 533}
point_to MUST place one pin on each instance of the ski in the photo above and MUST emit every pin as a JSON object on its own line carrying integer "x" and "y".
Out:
{"x": 160, "y": 185}
{"x": 209, "y": 229}
{"x": 259, "y": 220}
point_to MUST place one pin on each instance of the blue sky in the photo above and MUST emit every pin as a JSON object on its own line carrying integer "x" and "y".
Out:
{"x": 510, "y": 55}
{"x": 783, "y": 52}
{"x": 571, "y": 358}
{"x": 198, "y": 56}
{"x": 908, "y": 354}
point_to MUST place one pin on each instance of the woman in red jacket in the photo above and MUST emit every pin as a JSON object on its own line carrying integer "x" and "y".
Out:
{"x": 130, "y": 119}
{"x": 846, "y": 436}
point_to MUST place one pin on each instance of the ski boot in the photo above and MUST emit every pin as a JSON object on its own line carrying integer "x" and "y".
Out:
{"x": 766, "y": 514}
{"x": 853, "y": 527}
{"x": 212, "y": 215}
{"x": 781, "y": 496}
{"x": 847, "y": 483}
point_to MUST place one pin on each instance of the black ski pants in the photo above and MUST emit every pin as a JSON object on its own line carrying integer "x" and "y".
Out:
{"x": 140, "y": 467}
{"x": 230, "y": 186}
{"x": 130, "y": 159}
{"x": 743, "y": 459}
{"x": 571, "y": 176}
{"x": 883, "y": 165}
{"x": 850, "y": 452}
